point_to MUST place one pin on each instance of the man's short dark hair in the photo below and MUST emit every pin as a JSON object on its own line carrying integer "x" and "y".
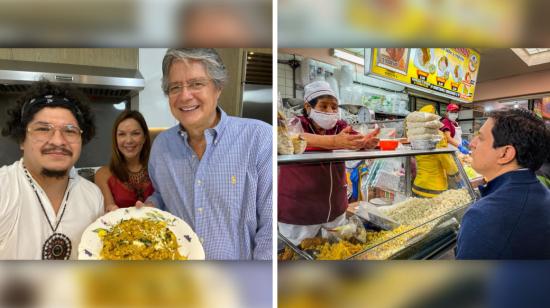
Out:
{"x": 45, "y": 94}
{"x": 526, "y": 132}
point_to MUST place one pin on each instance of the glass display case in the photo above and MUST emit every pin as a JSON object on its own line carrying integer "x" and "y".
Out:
{"x": 390, "y": 219}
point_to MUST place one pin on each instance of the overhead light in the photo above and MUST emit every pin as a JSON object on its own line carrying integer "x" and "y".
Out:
{"x": 533, "y": 56}
{"x": 348, "y": 56}
{"x": 249, "y": 58}
{"x": 516, "y": 106}
{"x": 251, "y": 53}
{"x": 120, "y": 106}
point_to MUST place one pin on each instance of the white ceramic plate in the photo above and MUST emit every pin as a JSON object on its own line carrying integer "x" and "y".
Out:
{"x": 189, "y": 245}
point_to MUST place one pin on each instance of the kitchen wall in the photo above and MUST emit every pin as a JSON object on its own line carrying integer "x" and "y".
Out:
{"x": 152, "y": 102}
{"x": 322, "y": 55}
{"x": 9, "y": 149}
{"x": 106, "y": 57}
{"x": 284, "y": 77}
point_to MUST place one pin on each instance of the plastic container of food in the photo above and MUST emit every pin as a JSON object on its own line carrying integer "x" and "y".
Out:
{"x": 388, "y": 144}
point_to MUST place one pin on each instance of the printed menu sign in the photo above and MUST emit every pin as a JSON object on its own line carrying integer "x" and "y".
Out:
{"x": 449, "y": 72}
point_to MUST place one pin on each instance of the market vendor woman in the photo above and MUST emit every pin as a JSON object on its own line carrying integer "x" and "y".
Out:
{"x": 315, "y": 195}
{"x": 451, "y": 129}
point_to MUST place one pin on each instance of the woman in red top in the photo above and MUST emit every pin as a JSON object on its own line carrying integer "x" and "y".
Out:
{"x": 450, "y": 128}
{"x": 126, "y": 179}
{"x": 315, "y": 195}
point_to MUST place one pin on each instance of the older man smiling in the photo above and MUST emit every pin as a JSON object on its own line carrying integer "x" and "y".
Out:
{"x": 212, "y": 170}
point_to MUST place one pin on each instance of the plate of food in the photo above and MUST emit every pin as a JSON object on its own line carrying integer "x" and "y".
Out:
{"x": 458, "y": 73}
{"x": 443, "y": 67}
{"x": 143, "y": 233}
{"x": 423, "y": 59}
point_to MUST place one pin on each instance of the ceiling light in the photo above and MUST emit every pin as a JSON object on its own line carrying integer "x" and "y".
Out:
{"x": 533, "y": 56}
{"x": 120, "y": 106}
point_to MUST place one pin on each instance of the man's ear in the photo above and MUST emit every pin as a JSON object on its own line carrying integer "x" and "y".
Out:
{"x": 507, "y": 156}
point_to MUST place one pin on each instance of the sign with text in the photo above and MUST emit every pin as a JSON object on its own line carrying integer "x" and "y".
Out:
{"x": 446, "y": 72}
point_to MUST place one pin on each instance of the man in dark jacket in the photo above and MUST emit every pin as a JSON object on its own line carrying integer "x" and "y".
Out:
{"x": 512, "y": 219}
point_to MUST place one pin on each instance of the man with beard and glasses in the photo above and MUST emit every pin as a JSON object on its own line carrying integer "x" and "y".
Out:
{"x": 44, "y": 204}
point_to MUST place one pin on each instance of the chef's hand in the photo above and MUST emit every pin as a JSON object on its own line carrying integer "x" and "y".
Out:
{"x": 345, "y": 140}
{"x": 371, "y": 140}
{"x": 140, "y": 204}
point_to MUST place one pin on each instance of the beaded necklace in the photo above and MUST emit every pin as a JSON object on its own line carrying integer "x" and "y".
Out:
{"x": 58, "y": 245}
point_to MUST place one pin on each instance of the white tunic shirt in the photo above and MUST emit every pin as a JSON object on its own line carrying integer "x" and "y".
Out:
{"x": 23, "y": 225}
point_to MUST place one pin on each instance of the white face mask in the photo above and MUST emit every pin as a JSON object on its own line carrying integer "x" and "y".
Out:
{"x": 453, "y": 116}
{"x": 324, "y": 119}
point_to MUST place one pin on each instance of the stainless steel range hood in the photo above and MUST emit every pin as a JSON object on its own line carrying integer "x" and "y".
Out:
{"x": 16, "y": 76}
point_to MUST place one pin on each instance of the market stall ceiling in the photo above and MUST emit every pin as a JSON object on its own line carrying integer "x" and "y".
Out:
{"x": 497, "y": 63}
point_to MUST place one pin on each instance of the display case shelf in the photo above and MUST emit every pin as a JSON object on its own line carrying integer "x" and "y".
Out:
{"x": 419, "y": 239}
{"x": 342, "y": 155}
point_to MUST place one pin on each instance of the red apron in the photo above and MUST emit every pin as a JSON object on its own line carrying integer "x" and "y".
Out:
{"x": 304, "y": 190}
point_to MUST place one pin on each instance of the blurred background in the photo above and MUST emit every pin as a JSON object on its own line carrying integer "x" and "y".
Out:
{"x": 414, "y": 284}
{"x": 128, "y": 38}
{"x": 370, "y": 23}
{"x": 248, "y": 23}
{"x": 136, "y": 23}
{"x": 136, "y": 284}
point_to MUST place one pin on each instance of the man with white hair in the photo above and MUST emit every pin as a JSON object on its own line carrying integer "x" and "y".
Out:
{"x": 212, "y": 170}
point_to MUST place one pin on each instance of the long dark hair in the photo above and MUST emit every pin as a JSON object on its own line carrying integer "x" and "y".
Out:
{"x": 118, "y": 164}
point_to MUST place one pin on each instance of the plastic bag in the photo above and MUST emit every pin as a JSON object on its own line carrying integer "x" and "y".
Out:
{"x": 284, "y": 143}
{"x": 353, "y": 229}
{"x": 294, "y": 129}
{"x": 429, "y": 124}
{"x": 419, "y": 116}
{"x": 422, "y": 130}
{"x": 431, "y": 137}
{"x": 376, "y": 217}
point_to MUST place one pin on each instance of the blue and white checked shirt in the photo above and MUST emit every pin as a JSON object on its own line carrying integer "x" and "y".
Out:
{"x": 226, "y": 196}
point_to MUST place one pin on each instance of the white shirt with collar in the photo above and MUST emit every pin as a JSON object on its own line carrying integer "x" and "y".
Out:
{"x": 23, "y": 225}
